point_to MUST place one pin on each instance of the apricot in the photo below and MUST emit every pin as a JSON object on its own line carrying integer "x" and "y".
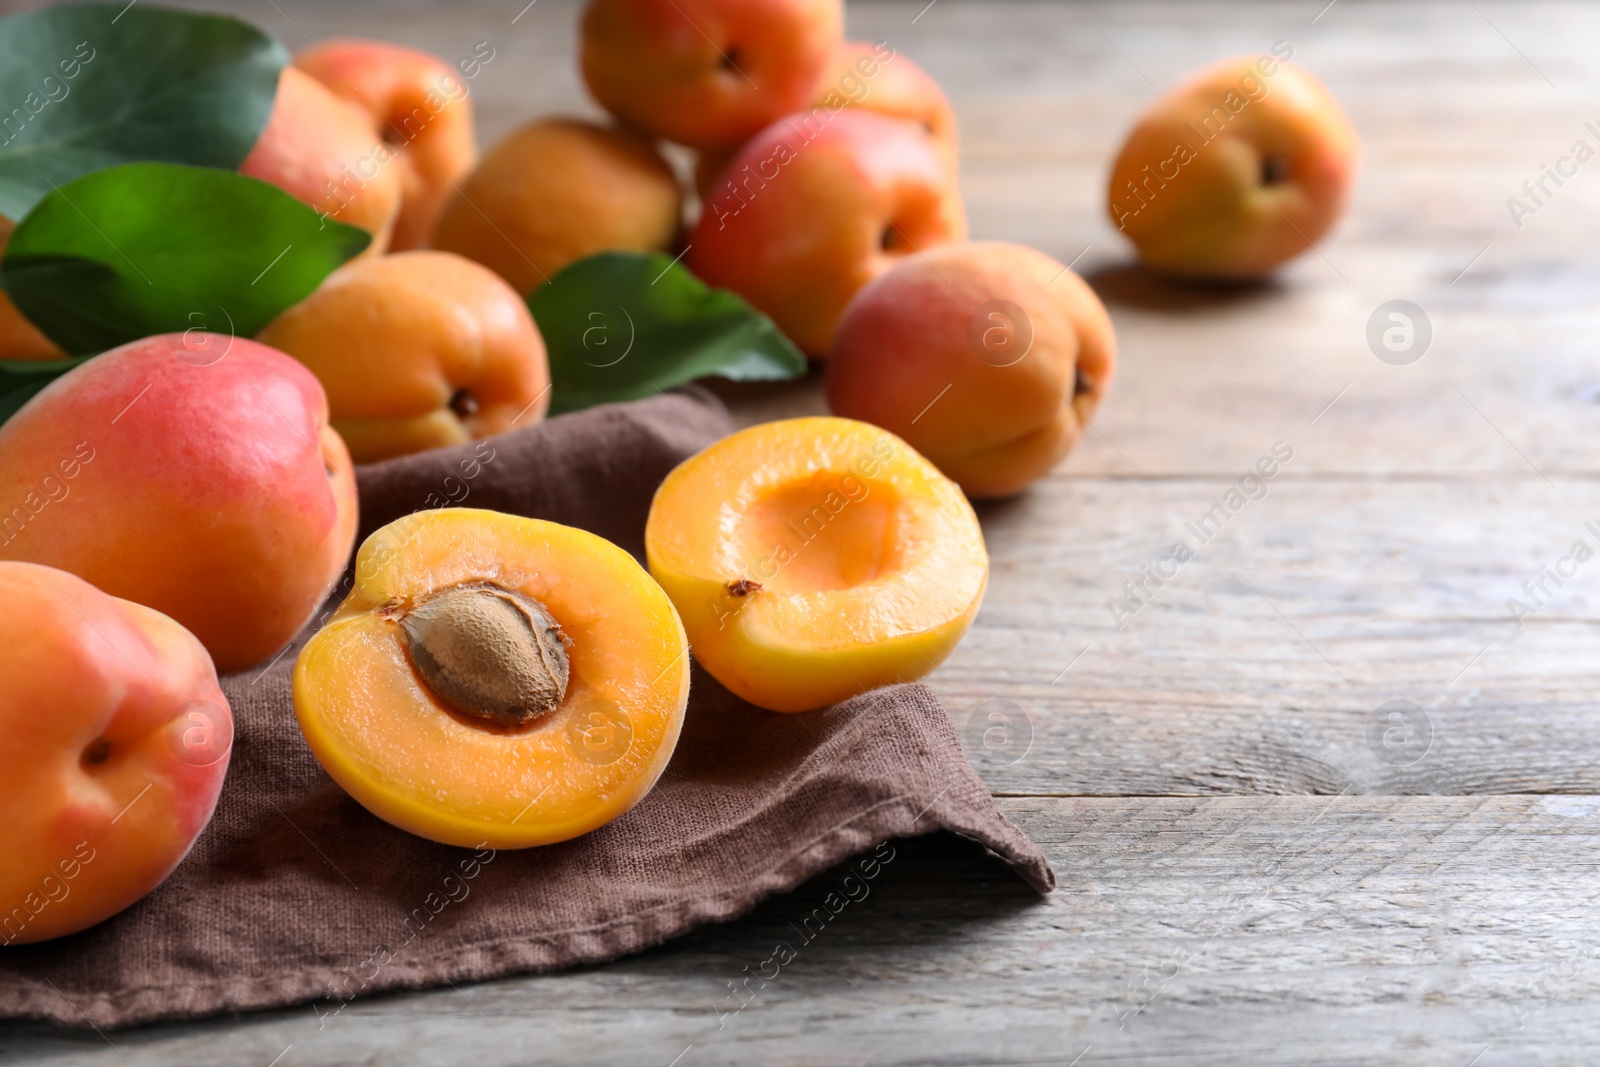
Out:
{"x": 19, "y": 338}
{"x": 418, "y": 106}
{"x": 815, "y": 207}
{"x": 1242, "y": 167}
{"x": 557, "y": 190}
{"x": 707, "y": 73}
{"x": 193, "y": 473}
{"x": 813, "y": 559}
{"x": 417, "y": 350}
{"x": 873, "y": 77}
{"x": 321, "y": 150}
{"x": 496, "y": 680}
{"x": 114, "y": 739}
{"x": 989, "y": 358}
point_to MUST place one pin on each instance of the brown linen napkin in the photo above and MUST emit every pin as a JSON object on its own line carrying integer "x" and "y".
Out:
{"x": 295, "y": 893}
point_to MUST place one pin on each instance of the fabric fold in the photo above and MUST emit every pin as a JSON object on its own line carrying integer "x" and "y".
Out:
{"x": 296, "y": 894}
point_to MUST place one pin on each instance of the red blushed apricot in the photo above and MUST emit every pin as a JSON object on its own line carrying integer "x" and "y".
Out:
{"x": 193, "y": 473}
{"x": 417, "y": 350}
{"x": 1244, "y": 166}
{"x": 114, "y": 740}
{"x": 873, "y": 77}
{"x": 419, "y": 106}
{"x": 813, "y": 559}
{"x": 493, "y": 679}
{"x": 815, "y": 207}
{"x": 989, "y": 358}
{"x": 707, "y": 73}
{"x": 321, "y": 150}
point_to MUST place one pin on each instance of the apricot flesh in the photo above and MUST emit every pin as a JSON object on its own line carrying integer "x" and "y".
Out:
{"x": 435, "y": 769}
{"x": 813, "y": 559}
{"x": 114, "y": 740}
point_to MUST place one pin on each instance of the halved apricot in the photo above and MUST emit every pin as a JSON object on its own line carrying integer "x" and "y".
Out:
{"x": 493, "y": 679}
{"x": 813, "y": 559}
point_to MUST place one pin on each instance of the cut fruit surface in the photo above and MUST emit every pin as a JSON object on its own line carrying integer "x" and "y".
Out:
{"x": 417, "y": 759}
{"x": 813, "y": 559}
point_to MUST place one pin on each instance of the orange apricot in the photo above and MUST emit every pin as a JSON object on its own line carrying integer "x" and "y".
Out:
{"x": 493, "y": 679}
{"x": 321, "y": 150}
{"x": 114, "y": 740}
{"x": 1242, "y": 167}
{"x": 557, "y": 190}
{"x": 417, "y": 350}
{"x": 19, "y": 338}
{"x": 419, "y": 106}
{"x": 706, "y": 73}
{"x": 872, "y": 77}
{"x": 813, "y": 559}
{"x": 988, "y": 357}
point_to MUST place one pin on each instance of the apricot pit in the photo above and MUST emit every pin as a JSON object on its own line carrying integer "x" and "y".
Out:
{"x": 488, "y": 651}
{"x": 495, "y": 680}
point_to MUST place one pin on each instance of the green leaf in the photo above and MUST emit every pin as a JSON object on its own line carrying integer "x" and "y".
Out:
{"x": 89, "y": 86}
{"x": 622, "y": 325}
{"x": 20, "y": 379}
{"x": 150, "y": 248}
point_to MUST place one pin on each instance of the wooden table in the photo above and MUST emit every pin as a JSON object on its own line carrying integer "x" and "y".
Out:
{"x": 1257, "y": 865}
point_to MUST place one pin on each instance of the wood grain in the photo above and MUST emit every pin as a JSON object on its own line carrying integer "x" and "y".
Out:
{"x": 1215, "y": 931}
{"x": 1252, "y": 870}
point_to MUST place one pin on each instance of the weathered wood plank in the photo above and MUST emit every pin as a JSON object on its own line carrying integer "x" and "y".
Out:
{"x": 1282, "y": 930}
{"x": 1346, "y": 929}
{"x": 1452, "y": 121}
{"x": 1260, "y": 665}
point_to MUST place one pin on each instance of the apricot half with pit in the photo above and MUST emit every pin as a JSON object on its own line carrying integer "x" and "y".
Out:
{"x": 495, "y": 680}
{"x": 813, "y": 559}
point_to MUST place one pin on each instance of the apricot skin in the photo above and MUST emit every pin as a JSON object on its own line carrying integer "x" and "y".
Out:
{"x": 816, "y": 206}
{"x": 1191, "y": 187}
{"x": 195, "y": 474}
{"x": 105, "y": 789}
{"x": 936, "y": 352}
{"x": 814, "y": 559}
{"x": 872, "y": 77}
{"x": 321, "y": 150}
{"x": 707, "y": 73}
{"x": 417, "y": 350}
{"x": 19, "y": 338}
{"x": 412, "y": 761}
{"x": 557, "y": 190}
{"x": 417, "y": 103}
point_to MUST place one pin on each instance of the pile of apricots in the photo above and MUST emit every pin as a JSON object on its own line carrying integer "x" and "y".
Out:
{"x": 181, "y": 506}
